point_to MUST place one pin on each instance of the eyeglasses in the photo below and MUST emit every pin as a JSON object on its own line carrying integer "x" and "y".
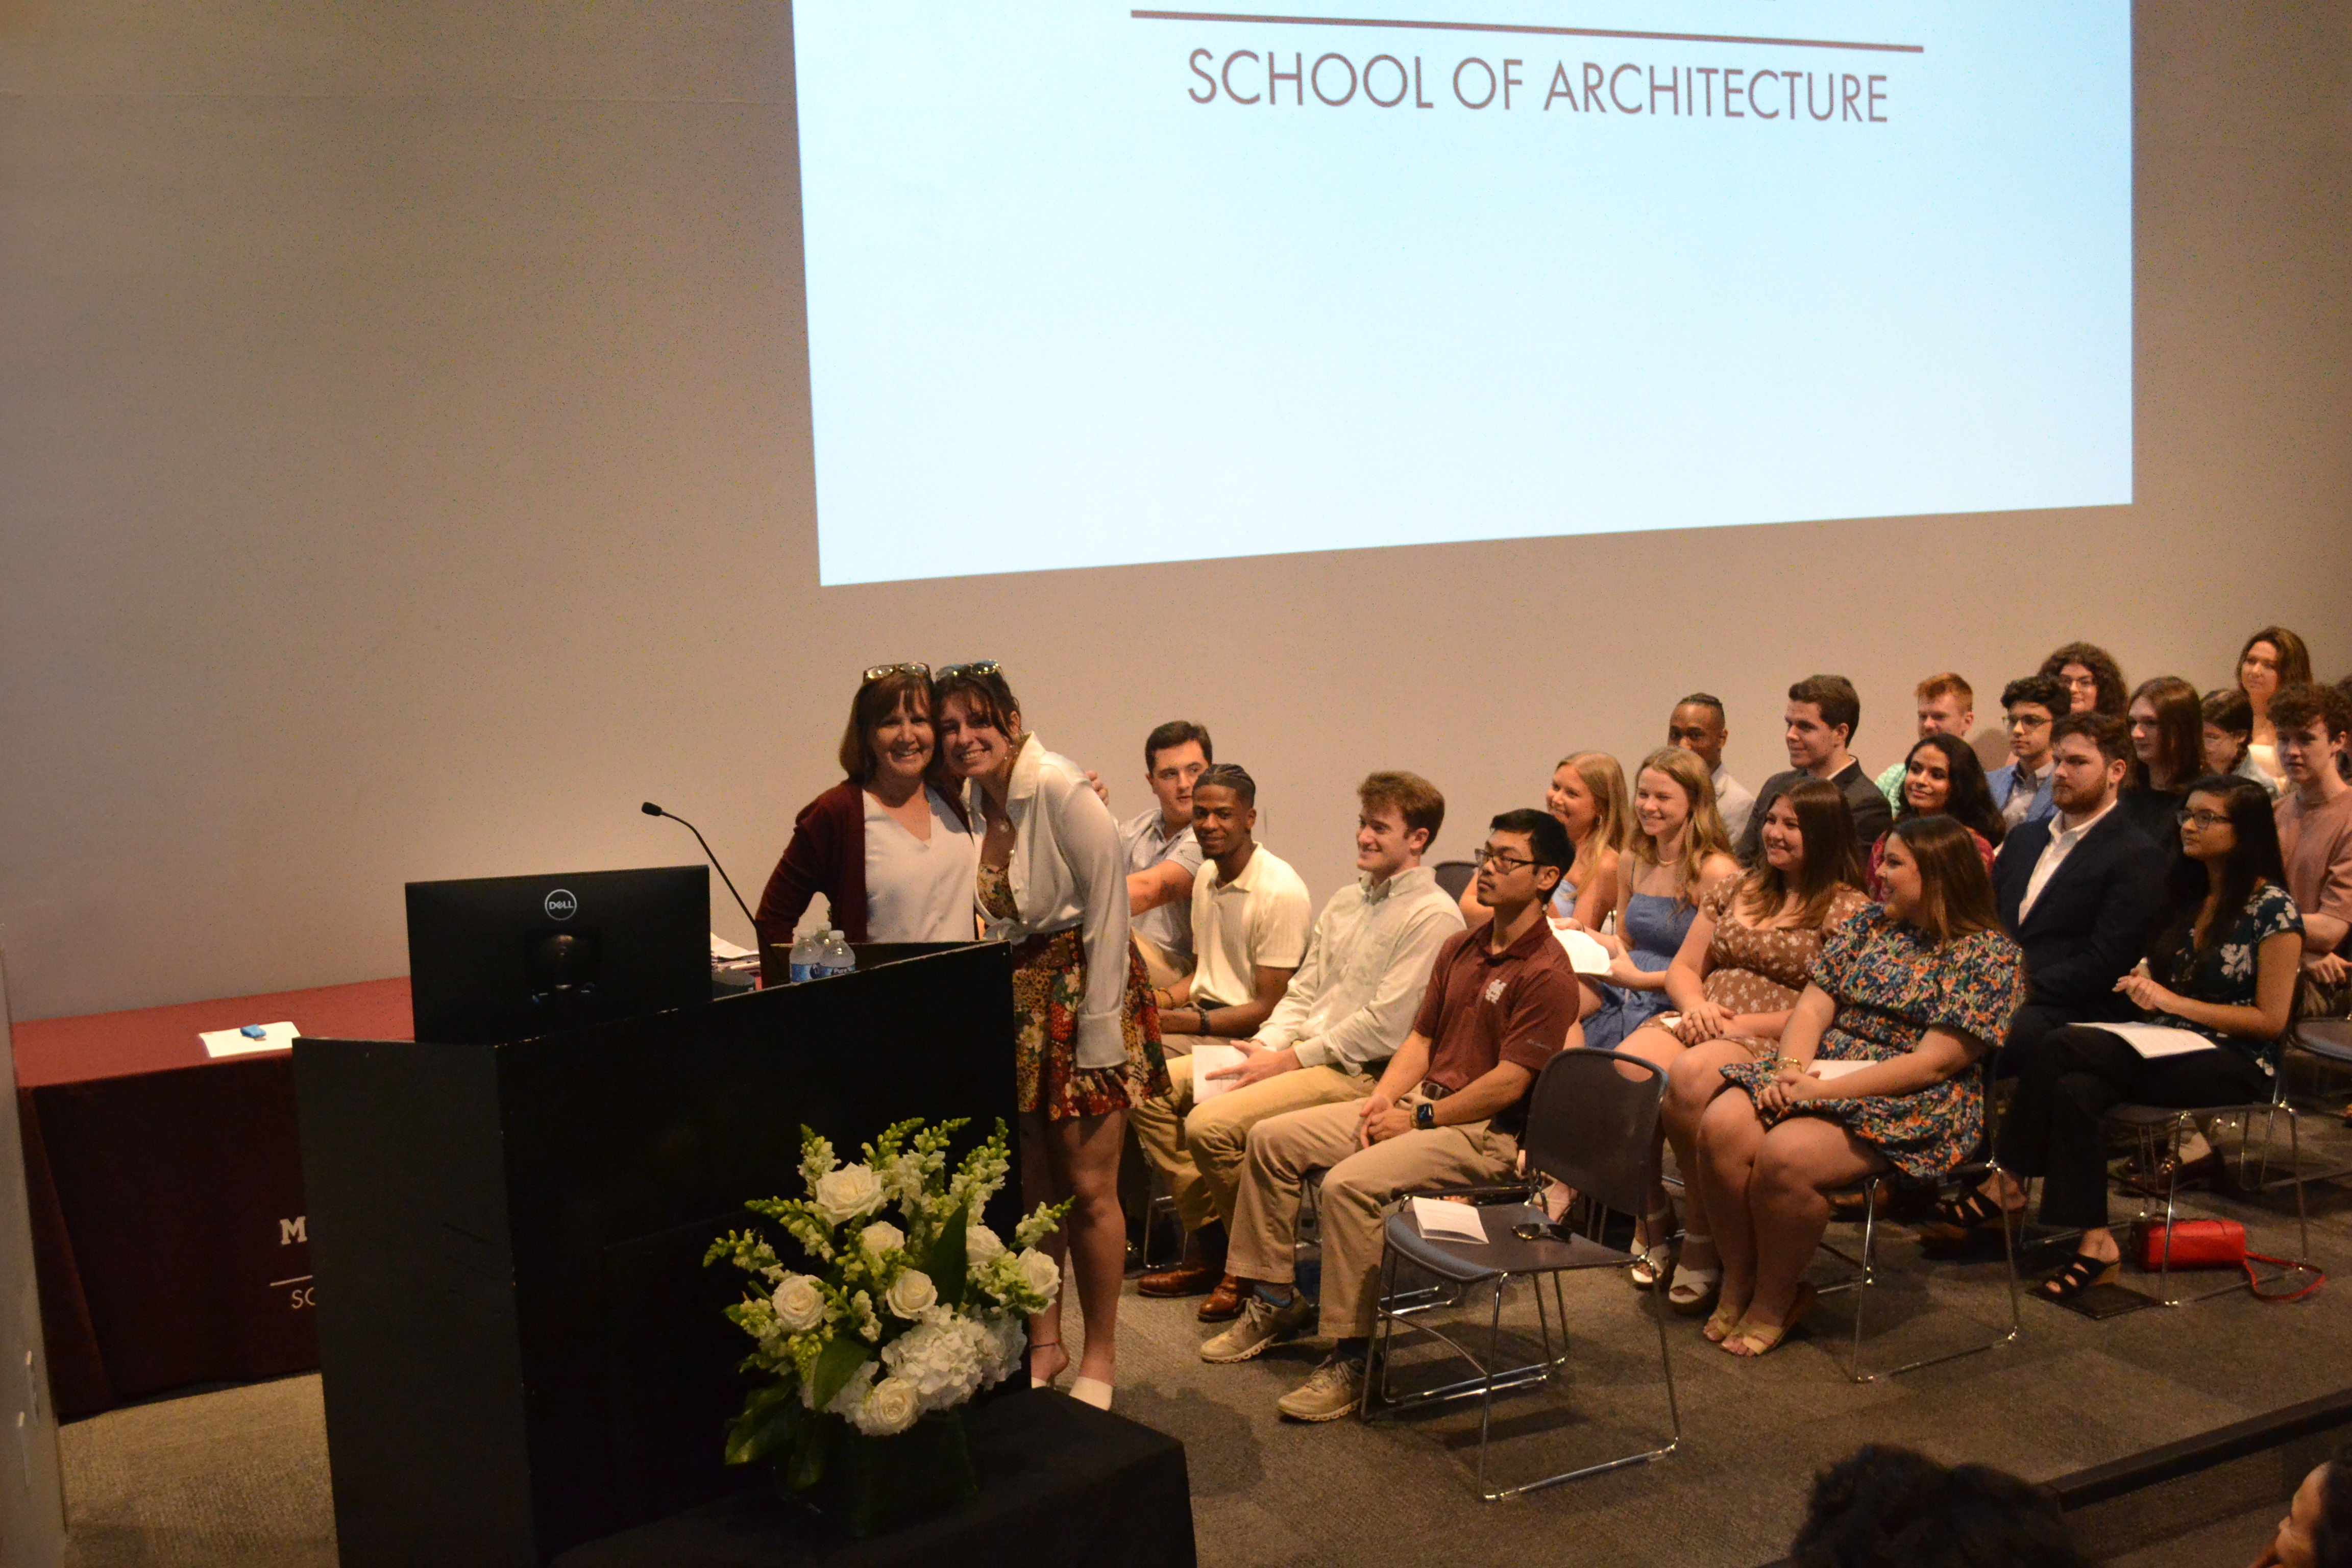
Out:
{"x": 2027, "y": 721}
{"x": 1500, "y": 862}
{"x": 2202, "y": 820}
{"x": 977, "y": 667}
{"x": 877, "y": 671}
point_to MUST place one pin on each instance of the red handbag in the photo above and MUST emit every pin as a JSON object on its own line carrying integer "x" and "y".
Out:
{"x": 2213, "y": 1244}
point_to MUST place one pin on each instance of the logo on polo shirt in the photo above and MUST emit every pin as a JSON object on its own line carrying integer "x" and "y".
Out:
{"x": 561, "y": 904}
{"x": 1495, "y": 987}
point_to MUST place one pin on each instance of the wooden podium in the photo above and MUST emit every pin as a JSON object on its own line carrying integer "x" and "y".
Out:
{"x": 521, "y": 1349}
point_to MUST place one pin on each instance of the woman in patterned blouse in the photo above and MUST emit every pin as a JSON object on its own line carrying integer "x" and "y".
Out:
{"x": 1910, "y": 996}
{"x": 2222, "y": 966}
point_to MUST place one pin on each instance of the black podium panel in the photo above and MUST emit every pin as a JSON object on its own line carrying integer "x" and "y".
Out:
{"x": 519, "y": 1347}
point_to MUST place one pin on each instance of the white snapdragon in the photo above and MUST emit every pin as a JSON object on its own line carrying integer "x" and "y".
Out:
{"x": 882, "y": 1238}
{"x": 799, "y": 1303}
{"x": 889, "y": 1409}
{"x": 910, "y": 1295}
{"x": 848, "y": 1194}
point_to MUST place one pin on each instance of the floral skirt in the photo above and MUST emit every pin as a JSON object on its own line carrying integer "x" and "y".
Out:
{"x": 1923, "y": 1134}
{"x": 1049, "y": 988}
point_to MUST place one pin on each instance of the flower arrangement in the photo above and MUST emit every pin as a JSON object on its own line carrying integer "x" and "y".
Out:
{"x": 892, "y": 1320}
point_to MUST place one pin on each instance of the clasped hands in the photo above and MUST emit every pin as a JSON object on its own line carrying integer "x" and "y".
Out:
{"x": 1381, "y": 1118}
{"x": 2146, "y": 994}
{"x": 1791, "y": 1082}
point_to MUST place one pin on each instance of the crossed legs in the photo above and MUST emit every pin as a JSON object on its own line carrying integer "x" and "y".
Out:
{"x": 1077, "y": 1158}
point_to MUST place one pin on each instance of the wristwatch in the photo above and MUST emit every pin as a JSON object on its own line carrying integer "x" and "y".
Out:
{"x": 1424, "y": 1116}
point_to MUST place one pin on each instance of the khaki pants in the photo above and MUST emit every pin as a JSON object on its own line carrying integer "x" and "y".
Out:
{"x": 1198, "y": 1149}
{"x": 1359, "y": 1187}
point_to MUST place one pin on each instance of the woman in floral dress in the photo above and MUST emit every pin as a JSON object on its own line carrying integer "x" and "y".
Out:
{"x": 1087, "y": 1041}
{"x": 2222, "y": 966}
{"x": 1918, "y": 990}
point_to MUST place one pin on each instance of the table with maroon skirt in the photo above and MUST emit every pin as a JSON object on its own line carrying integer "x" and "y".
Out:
{"x": 166, "y": 1191}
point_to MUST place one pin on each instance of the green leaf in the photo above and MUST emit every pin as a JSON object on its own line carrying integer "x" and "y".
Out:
{"x": 812, "y": 1442}
{"x": 946, "y": 1265}
{"x": 843, "y": 1354}
{"x": 764, "y": 1426}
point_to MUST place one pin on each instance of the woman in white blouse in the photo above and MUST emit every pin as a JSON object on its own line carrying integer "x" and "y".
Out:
{"x": 893, "y": 855}
{"x": 1053, "y": 881}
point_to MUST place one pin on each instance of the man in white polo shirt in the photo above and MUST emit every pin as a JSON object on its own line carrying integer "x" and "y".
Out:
{"x": 1250, "y": 921}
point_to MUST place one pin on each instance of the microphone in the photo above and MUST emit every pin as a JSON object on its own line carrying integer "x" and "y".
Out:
{"x": 650, "y": 809}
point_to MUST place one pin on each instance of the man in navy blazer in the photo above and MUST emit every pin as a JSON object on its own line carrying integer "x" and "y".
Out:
{"x": 2077, "y": 890}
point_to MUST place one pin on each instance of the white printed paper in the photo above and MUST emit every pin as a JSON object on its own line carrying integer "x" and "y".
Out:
{"x": 1441, "y": 1221}
{"x": 238, "y": 1043}
{"x": 1585, "y": 954}
{"x": 723, "y": 950}
{"x": 2154, "y": 1040}
{"x": 1208, "y": 1058}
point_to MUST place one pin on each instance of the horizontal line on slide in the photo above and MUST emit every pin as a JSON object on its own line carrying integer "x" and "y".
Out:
{"x": 295, "y": 1280}
{"x": 1527, "y": 27}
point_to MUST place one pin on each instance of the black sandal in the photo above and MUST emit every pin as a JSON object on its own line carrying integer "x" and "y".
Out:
{"x": 2083, "y": 1273}
{"x": 1972, "y": 1210}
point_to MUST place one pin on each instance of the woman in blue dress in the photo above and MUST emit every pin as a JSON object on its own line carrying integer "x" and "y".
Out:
{"x": 1679, "y": 855}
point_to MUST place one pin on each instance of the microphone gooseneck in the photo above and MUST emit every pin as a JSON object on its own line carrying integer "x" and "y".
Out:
{"x": 650, "y": 809}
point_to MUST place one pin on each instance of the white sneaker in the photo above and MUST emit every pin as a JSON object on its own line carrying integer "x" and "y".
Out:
{"x": 1332, "y": 1390}
{"x": 1261, "y": 1323}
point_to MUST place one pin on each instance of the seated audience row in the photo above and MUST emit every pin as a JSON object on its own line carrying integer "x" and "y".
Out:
{"x": 1810, "y": 1034}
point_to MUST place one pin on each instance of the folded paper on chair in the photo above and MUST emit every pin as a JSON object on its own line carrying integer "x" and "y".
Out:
{"x": 2154, "y": 1040}
{"x": 1441, "y": 1221}
{"x": 1585, "y": 956}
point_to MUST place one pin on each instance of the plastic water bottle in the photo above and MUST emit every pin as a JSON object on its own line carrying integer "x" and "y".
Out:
{"x": 808, "y": 958}
{"x": 835, "y": 956}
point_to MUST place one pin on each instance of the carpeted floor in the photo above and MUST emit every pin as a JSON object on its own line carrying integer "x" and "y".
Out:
{"x": 239, "y": 1477}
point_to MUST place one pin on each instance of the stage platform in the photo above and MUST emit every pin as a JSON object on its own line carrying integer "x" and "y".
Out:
{"x": 239, "y": 1477}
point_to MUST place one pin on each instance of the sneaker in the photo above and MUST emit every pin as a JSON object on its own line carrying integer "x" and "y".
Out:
{"x": 1262, "y": 1323}
{"x": 1333, "y": 1389}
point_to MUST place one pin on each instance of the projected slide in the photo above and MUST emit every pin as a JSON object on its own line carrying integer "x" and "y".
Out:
{"x": 1092, "y": 284}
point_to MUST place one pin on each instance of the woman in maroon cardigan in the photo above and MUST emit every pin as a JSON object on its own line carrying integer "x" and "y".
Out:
{"x": 894, "y": 859}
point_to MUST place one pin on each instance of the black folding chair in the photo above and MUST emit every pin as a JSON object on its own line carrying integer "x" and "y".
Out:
{"x": 1453, "y": 876}
{"x": 1593, "y": 1129}
{"x": 2166, "y": 1125}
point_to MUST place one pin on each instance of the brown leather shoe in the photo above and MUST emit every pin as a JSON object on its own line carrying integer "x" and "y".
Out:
{"x": 1184, "y": 1280}
{"x": 1223, "y": 1302}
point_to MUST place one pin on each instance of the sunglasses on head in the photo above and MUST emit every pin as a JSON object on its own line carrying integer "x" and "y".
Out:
{"x": 977, "y": 667}
{"x": 879, "y": 670}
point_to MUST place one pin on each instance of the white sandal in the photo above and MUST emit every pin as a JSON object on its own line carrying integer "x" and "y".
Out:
{"x": 1654, "y": 1260}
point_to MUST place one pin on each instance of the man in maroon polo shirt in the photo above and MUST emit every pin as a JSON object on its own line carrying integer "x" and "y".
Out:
{"x": 1501, "y": 1001}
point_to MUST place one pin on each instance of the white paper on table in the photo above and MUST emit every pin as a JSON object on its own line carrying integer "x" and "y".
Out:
{"x": 1206, "y": 1059}
{"x": 1836, "y": 1069}
{"x": 237, "y": 1042}
{"x": 722, "y": 949}
{"x": 1585, "y": 956}
{"x": 2154, "y": 1040}
{"x": 1442, "y": 1221}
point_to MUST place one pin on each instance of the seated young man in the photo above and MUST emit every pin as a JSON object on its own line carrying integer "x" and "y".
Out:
{"x": 1822, "y": 714}
{"x": 1501, "y": 1002}
{"x": 1340, "y": 1020}
{"x": 2314, "y": 829}
{"x": 1250, "y": 921}
{"x": 1947, "y": 706}
{"x": 1697, "y": 726}
{"x": 2021, "y": 786}
{"x": 1162, "y": 855}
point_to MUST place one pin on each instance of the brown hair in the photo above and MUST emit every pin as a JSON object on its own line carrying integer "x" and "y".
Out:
{"x": 2179, "y": 734}
{"x": 2105, "y": 671}
{"x": 876, "y": 701}
{"x": 2293, "y": 656}
{"x": 2227, "y": 707}
{"x": 1833, "y": 858}
{"x": 1173, "y": 733}
{"x": 1955, "y": 894}
{"x": 2293, "y": 707}
{"x": 1705, "y": 834}
{"x": 1834, "y": 695}
{"x": 1946, "y": 685}
{"x": 1410, "y": 796}
{"x": 2105, "y": 731}
{"x": 989, "y": 696}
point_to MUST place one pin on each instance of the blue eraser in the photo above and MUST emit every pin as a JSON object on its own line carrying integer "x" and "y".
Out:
{"x": 253, "y": 1032}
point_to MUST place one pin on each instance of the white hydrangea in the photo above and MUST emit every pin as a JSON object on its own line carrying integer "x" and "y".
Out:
{"x": 847, "y": 1193}
{"x": 799, "y": 1303}
{"x": 1007, "y": 1346}
{"x": 882, "y": 1238}
{"x": 887, "y": 1410}
{"x": 942, "y": 1358}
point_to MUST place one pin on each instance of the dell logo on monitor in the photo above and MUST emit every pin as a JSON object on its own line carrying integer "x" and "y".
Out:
{"x": 561, "y": 905}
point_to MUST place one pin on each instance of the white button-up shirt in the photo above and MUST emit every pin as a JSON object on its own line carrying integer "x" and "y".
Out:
{"x": 1352, "y": 1002}
{"x": 2053, "y": 853}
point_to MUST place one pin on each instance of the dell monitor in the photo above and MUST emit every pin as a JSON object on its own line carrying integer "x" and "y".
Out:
{"x": 506, "y": 958}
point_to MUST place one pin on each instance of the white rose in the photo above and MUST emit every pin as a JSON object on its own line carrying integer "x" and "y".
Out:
{"x": 799, "y": 1304}
{"x": 844, "y": 1194}
{"x": 1038, "y": 1272}
{"x": 981, "y": 1246}
{"x": 882, "y": 1236}
{"x": 910, "y": 1294}
{"x": 888, "y": 1410}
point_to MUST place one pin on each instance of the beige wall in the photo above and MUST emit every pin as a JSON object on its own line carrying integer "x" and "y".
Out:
{"x": 404, "y": 470}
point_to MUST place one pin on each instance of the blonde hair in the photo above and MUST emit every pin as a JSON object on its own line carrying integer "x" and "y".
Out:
{"x": 1612, "y": 813}
{"x": 1705, "y": 834}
